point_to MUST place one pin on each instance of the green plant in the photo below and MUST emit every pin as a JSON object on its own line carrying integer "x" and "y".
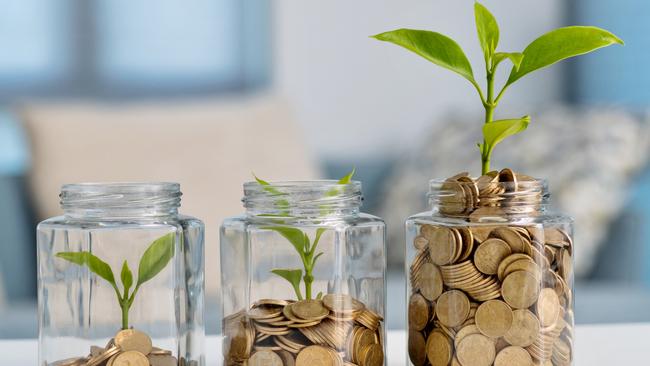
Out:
{"x": 300, "y": 241}
{"x": 154, "y": 260}
{"x": 557, "y": 45}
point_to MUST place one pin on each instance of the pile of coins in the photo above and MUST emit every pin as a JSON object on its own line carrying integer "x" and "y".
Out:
{"x": 335, "y": 331}
{"x": 491, "y": 293}
{"x": 129, "y": 347}
{"x": 495, "y": 194}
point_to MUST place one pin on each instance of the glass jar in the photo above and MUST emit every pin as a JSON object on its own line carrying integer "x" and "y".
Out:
{"x": 303, "y": 277}
{"x": 120, "y": 278}
{"x": 490, "y": 278}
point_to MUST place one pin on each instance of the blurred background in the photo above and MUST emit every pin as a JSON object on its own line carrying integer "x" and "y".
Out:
{"x": 205, "y": 91}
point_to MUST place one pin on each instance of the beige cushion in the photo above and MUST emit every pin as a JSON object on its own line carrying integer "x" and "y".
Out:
{"x": 209, "y": 146}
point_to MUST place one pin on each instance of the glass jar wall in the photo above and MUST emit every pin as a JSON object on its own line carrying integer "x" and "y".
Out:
{"x": 120, "y": 278}
{"x": 303, "y": 277}
{"x": 490, "y": 278}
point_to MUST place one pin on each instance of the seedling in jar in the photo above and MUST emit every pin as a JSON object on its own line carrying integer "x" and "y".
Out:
{"x": 152, "y": 262}
{"x": 557, "y": 45}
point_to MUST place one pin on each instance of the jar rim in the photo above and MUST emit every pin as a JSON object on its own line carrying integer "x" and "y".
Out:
{"x": 120, "y": 199}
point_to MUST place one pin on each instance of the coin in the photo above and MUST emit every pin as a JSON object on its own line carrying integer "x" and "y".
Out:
{"x": 476, "y": 350}
{"x": 420, "y": 242}
{"x": 133, "y": 340}
{"x": 265, "y": 358}
{"x": 489, "y": 254}
{"x": 264, "y": 312}
{"x": 309, "y": 309}
{"x": 417, "y": 348}
{"x": 372, "y": 355}
{"x": 130, "y": 358}
{"x": 287, "y": 358}
{"x": 430, "y": 281}
{"x": 548, "y": 307}
{"x": 452, "y": 308}
{"x": 513, "y": 356}
{"x": 342, "y": 303}
{"x": 494, "y": 318}
{"x": 439, "y": 349}
{"x": 511, "y": 237}
{"x": 316, "y": 355}
{"x": 524, "y": 330}
{"x": 103, "y": 357}
{"x": 520, "y": 289}
{"x": 418, "y": 312}
{"x": 442, "y": 246}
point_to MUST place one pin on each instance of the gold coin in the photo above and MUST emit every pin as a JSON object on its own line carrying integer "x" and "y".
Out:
{"x": 133, "y": 340}
{"x": 527, "y": 265}
{"x": 270, "y": 302}
{"x": 309, "y": 309}
{"x": 511, "y": 237}
{"x": 513, "y": 356}
{"x": 548, "y": 307}
{"x": 430, "y": 281}
{"x": 489, "y": 255}
{"x": 494, "y": 318}
{"x": 160, "y": 352}
{"x": 264, "y": 312}
{"x": 427, "y": 230}
{"x": 476, "y": 350}
{"x": 96, "y": 350}
{"x": 316, "y": 356}
{"x": 481, "y": 233}
{"x": 566, "y": 265}
{"x": 103, "y": 357}
{"x": 507, "y": 175}
{"x": 418, "y": 312}
{"x": 452, "y": 308}
{"x": 507, "y": 261}
{"x": 520, "y": 289}
{"x": 524, "y": 330}
{"x": 372, "y": 355}
{"x": 265, "y": 358}
{"x": 162, "y": 360}
{"x": 442, "y": 246}
{"x": 439, "y": 349}
{"x": 420, "y": 242}
{"x": 342, "y": 303}
{"x": 417, "y": 348}
{"x": 130, "y": 358}
{"x": 467, "y": 242}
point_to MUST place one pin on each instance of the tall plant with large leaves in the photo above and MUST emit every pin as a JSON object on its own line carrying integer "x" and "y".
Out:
{"x": 154, "y": 259}
{"x": 546, "y": 50}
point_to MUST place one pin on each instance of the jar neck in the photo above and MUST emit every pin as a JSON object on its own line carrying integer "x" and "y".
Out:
{"x": 322, "y": 200}
{"x": 120, "y": 201}
{"x": 489, "y": 198}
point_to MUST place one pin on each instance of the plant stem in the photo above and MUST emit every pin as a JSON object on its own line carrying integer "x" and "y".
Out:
{"x": 489, "y": 105}
{"x": 309, "y": 279}
{"x": 125, "y": 314}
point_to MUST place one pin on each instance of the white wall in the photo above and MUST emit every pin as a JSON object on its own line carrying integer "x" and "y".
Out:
{"x": 357, "y": 96}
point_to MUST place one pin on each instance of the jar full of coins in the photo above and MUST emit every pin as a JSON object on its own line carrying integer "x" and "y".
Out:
{"x": 120, "y": 278}
{"x": 490, "y": 278}
{"x": 303, "y": 277}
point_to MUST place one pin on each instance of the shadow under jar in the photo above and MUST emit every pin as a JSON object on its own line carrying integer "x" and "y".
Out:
{"x": 303, "y": 277}
{"x": 121, "y": 278}
{"x": 490, "y": 278}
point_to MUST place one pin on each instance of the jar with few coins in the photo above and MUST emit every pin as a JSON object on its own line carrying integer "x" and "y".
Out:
{"x": 303, "y": 277}
{"x": 121, "y": 278}
{"x": 489, "y": 275}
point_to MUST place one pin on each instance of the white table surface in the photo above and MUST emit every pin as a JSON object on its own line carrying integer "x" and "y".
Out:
{"x": 596, "y": 345}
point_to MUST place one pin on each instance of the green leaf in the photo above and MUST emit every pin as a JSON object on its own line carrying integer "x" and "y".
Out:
{"x": 561, "y": 44}
{"x": 515, "y": 57}
{"x": 293, "y": 276}
{"x": 435, "y": 47}
{"x": 156, "y": 257}
{"x": 487, "y": 29}
{"x": 319, "y": 296}
{"x": 495, "y": 132}
{"x": 127, "y": 278}
{"x": 282, "y": 204}
{"x": 319, "y": 233}
{"x": 297, "y": 238}
{"x": 94, "y": 264}
{"x": 313, "y": 263}
{"x": 347, "y": 178}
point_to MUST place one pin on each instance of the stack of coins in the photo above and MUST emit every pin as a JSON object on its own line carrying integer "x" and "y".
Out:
{"x": 337, "y": 330}
{"x": 490, "y": 292}
{"x": 129, "y": 347}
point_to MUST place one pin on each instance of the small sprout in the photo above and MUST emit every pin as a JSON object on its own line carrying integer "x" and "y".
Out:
{"x": 152, "y": 262}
